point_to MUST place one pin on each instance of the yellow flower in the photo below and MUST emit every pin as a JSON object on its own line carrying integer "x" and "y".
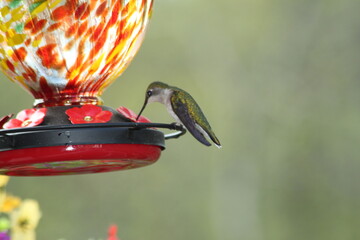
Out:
{"x": 3, "y": 180}
{"x": 29, "y": 235}
{"x": 10, "y": 203}
{"x": 26, "y": 218}
{"x": 2, "y": 198}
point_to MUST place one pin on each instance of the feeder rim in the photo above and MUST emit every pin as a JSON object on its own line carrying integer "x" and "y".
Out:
{"x": 181, "y": 130}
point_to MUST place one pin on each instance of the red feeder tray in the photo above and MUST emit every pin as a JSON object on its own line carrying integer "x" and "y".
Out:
{"x": 64, "y": 159}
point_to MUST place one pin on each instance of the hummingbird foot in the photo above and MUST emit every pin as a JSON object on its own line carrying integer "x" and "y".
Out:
{"x": 177, "y": 126}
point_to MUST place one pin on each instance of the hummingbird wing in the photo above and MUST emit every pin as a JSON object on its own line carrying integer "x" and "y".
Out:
{"x": 190, "y": 114}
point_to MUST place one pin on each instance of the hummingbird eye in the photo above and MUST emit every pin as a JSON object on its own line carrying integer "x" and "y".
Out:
{"x": 149, "y": 93}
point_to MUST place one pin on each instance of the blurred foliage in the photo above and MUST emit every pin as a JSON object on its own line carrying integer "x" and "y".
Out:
{"x": 278, "y": 81}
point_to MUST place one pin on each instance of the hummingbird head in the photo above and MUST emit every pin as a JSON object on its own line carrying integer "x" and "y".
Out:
{"x": 155, "y": 92}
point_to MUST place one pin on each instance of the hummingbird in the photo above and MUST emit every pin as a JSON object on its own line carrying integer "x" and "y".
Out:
{"x": 183, "y": 108}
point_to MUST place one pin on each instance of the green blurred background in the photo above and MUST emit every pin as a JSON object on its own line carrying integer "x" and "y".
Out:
{"x": 279, "y": 83}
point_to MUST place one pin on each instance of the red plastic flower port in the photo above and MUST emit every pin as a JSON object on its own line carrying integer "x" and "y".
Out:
{"x": 88, "y": 114}
{"x": 131, "y": 115}
{"x": 27, "y": 118}
{"x": 3, "y": 120}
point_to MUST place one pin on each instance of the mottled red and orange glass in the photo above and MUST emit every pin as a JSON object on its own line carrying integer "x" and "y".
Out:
{"x": 66, "y": 52}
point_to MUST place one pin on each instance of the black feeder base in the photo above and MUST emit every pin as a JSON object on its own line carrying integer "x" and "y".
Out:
{"x": 57, "y": 147}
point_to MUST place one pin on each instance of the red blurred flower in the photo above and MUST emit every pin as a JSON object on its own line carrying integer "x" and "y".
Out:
{"x": 88, "y": 114}
{"x": 4, "y": 119}
{"x": 112, "y": 233}
{"x": 131, "y": 115}
{"x": 27, "y": 118}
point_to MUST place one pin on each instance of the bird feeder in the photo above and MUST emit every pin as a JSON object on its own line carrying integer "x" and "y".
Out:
{"x": 65, "y": 53}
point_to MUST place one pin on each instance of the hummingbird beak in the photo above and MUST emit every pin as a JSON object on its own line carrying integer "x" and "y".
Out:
{"x": 142, "y": 109}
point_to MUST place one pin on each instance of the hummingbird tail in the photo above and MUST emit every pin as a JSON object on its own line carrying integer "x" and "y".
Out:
{"x": 218, "y": 146}
{"x": 215, "y": 140}
{"x": 210, "y": 134}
